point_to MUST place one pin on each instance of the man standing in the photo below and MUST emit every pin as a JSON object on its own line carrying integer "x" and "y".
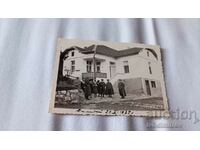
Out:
{"x": 121, "y": 87}
{"x": 87, "y": 89}
{"x": 91, "y": 87}
{"x": 109, "y": 89}
{"x": 102, "y": 88}
{"x": 98, "y": 87}
{"x": 95, "y": 90}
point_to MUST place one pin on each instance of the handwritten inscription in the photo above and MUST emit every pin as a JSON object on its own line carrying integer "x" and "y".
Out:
{"x": 108, "y": 112}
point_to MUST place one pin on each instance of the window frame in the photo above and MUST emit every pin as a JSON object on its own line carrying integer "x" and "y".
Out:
{"x": 153, "y": 84}
{"x": 147, "y": 53}
{"x": 73, "y": 66}
{"x": 72, "y": 54}
{"x": 88, "y": 65}
{"x": 150, "y": 69}
{"x": 126, "y": 67}
{"x": 98, "y": 66}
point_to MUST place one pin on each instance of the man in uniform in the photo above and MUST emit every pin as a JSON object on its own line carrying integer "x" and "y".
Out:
{"x": 121, "y": 87}
{"x": 109, "y": 89}
{"x": 102, "y": 88}
{"x": 87, "y": 89}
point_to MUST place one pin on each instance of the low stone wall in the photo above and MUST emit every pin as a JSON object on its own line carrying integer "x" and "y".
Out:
{"x": 69, "y": 96}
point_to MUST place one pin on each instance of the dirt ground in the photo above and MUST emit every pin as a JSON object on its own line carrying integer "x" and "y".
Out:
{"x": 131, "y": 102}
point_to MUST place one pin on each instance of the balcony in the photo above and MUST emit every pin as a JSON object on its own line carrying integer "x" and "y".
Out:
{"x": 91, "y": 75}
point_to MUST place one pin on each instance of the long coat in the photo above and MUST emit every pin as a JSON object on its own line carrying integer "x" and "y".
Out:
{"x": 95, "y": 90}
{"x": 102, "y": 87}
{"x": 109, "y": 89}
{"x": 121, "y": 87}
{"x": 87, "y": 88}
{"x": 98, "y": 87}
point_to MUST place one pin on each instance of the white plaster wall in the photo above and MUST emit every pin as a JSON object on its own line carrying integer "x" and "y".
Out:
{"x": 138, "y": 65}
{"x": 79, "y": 63}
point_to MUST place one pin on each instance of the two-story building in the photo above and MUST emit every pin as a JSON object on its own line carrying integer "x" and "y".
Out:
{"x": 140, "y": 68}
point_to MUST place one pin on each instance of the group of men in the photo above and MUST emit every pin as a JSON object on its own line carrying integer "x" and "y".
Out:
{"x": 93, "y": 88}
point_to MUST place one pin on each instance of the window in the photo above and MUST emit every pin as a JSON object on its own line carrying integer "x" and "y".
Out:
{"x": 72, "y": 53}
{"x": 150, "y": 70}
{"x": 73, "y": 65}
{"x": 89, "y": 66}
{"x": 98, "y": 66}
{"x": 148, "y": 53}
{"x": 126, "y": 67}
{"x": 112, "y": 69}
{"x": 112, "y": 63}
{"x": 153, "y": 84}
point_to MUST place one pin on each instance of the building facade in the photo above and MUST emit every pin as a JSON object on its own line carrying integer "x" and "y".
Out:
{"x": 138, "y": 67}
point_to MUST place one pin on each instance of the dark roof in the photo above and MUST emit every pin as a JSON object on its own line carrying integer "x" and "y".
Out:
{"x": 130, "y": 51}
{"x": 105, "y": 50}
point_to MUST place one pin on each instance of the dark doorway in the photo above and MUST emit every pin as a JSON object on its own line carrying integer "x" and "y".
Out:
{"x": 148, "y": 87}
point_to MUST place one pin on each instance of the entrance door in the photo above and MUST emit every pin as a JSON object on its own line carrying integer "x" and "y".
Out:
{"x": 148, "y": 87}
{"x": 112, "y": 69}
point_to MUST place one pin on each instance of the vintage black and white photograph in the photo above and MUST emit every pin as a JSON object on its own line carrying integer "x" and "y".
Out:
{"x": 104, "y": 78}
